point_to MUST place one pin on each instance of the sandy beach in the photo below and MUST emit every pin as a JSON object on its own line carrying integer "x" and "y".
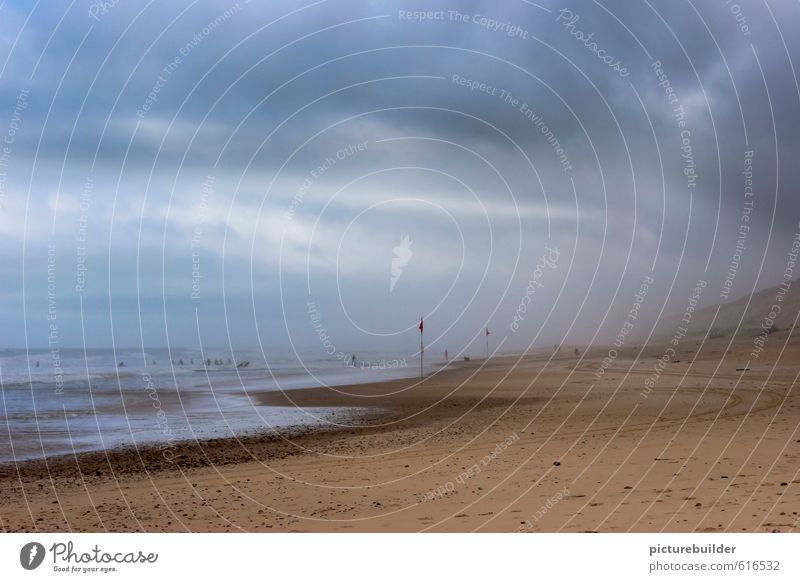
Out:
{"x": 513, "y": 444}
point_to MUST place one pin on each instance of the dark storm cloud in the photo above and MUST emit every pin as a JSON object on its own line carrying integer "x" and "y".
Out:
{"x": 151, "y": 101}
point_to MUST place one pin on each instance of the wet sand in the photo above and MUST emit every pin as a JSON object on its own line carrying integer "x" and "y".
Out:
{"x": 535, "y": 444}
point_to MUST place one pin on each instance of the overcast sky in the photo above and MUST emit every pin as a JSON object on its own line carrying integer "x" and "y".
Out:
{"x": 203, "y": 171}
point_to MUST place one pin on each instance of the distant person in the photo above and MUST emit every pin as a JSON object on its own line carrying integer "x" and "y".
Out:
{"x": 37, "y": 363}
{"x": 121, "y": 364}
{"x": 353, "y": 361}
{"x": 191, "y": 361}
{"x": 445, "y": 357}
{"x": 577, "y": 353}
{"x": 180, "y": 361}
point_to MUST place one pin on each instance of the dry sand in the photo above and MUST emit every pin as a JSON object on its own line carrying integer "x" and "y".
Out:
{"x": 532, "y": 444}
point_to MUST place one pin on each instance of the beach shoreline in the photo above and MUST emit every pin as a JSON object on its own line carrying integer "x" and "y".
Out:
{"x": 366, "y": 406}
{"x": 509, "y": 444}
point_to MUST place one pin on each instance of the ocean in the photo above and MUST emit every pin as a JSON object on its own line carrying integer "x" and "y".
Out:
{"x": 71, "y": 400}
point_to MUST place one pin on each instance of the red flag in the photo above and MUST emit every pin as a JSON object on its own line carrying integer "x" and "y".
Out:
{"x": 420, "y": 325}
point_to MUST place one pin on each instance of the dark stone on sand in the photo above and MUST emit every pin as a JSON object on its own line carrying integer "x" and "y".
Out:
{"x": 557, "y": 463}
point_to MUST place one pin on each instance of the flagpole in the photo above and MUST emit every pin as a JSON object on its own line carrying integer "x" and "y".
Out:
{"x": 421, "y": 349}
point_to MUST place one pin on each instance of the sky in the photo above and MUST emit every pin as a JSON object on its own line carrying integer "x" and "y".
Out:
{"x": 290, "y": 174}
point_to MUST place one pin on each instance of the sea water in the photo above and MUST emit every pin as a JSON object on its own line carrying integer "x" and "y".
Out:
{"x": 84, "y": 400}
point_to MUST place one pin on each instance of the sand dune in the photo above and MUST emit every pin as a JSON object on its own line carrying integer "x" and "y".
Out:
{"x": 743, "y": 316}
